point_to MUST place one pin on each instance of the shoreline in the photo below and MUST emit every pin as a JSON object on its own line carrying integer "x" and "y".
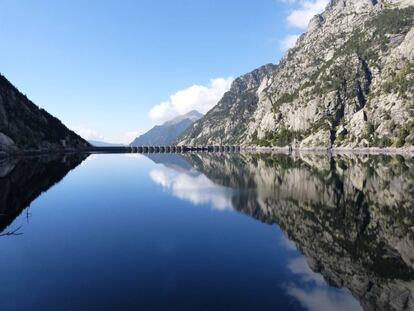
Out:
{"x": 408, "y": 151}
{"x": 335, "y": 150}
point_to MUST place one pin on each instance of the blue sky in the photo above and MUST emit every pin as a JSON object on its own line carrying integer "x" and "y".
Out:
{"x": 112, "y": 69}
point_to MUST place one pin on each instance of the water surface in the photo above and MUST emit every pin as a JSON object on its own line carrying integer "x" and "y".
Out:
{"x": 207, "y": 232}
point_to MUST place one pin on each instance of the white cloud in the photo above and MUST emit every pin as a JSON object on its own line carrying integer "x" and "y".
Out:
{"x": 88, "y": 133}
{"x": 114, "y": 137}
{"x": 301, "y": 16}
{"x": 196, "y": 97}
{"x": 289, "y": 42}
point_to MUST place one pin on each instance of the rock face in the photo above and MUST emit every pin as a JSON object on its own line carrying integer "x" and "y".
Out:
{"x": 351, "y": 216}
{"x": 26, "y": 127}
{"x": 348, "y": 82}
{"x": 165, "y": 134}
{"x": 227, "y": 121}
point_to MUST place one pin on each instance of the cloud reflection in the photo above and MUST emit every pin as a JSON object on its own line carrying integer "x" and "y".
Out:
{"x": 193, "y": 187}
{"x": 314, "y": 293}
{"x": 322, "y": 299}
{"x": 300, "y": 267}
{"x": 289, "y": 245}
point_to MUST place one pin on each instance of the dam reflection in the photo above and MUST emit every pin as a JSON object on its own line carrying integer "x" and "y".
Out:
{"x": 352, "y": 217}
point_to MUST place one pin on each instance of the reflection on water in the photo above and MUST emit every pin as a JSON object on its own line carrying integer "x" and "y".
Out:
{"x": 352, "y": 217}
{"x": 187, "y": 183}
{"x": 23, "y": 180}
{"x": 347, "y": 223}
{"x": 314, "y": 293}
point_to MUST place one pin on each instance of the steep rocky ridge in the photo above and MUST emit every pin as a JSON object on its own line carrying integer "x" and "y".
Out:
{"x": 227, "y": 121}
{"x": 26, "y": 127}
{"x": 351, "y": 216}
{"x": 348, "y": 82}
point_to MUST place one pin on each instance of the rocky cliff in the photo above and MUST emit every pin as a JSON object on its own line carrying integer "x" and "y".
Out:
{"x": 348, "y": 82}
{"x": 26, "y": 127}
{"x": 227, "y": 121}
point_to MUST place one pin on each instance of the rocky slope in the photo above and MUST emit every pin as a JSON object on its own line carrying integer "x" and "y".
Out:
{"x": 228, "y": 120}
{"x": 26, "y": 127}
{"x": 351, "y": 216}
{"x": 166, "y": 133}
{"x": 348, "y": 82}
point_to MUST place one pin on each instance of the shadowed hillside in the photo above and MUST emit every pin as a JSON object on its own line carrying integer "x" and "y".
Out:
{"x": 24, "y": 126}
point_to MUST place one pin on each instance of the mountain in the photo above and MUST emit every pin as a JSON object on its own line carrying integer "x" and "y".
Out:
{"x": 348, "y": 82}
{"x": 104, "y": 144}
{"x": 165, "y": 134}
{"x": 26, "y": 127}
{"x": 227, "y": 121}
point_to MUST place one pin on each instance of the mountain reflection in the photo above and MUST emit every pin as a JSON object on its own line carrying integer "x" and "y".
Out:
{"x": 23, "y": 180}
{"x": 351, "y": 216}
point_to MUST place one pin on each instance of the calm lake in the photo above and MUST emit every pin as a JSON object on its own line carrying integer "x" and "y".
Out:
{"x": 207, "y": 232}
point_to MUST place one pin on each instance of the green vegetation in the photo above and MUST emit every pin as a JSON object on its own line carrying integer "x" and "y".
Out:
{"x": 287, "y": 98}
{"x": 283, "y": 137}
{"x": 381, "y": 141}
{"x": 340, "y": 137}
{"x": 402, "y": 138}
{"x": 280, "y": 138}
{"x": 367, "y": 46}
{"x": 369, "y": 127}
{"x": 393, "y": 21}
{"x": 401, "y": 82}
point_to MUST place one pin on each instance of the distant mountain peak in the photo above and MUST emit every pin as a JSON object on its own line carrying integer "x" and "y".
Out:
{"x": 98, "y": 143}
{"x": 193, "y": 115}
{"x": 166, "y": 133}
